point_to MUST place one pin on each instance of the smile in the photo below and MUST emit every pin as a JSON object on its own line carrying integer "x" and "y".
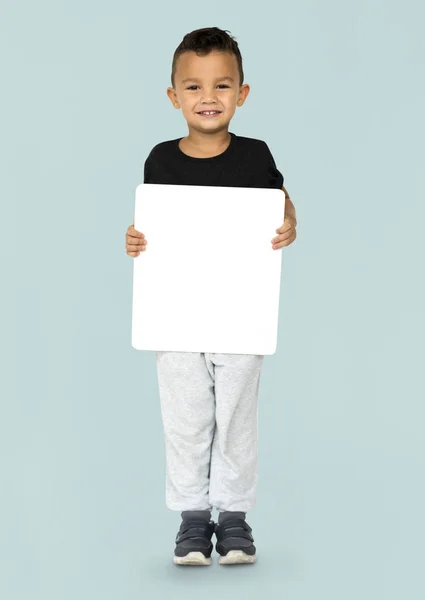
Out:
{"x": 209, "y": 113}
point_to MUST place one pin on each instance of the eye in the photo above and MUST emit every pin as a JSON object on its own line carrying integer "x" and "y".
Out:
{"x": 219, "y": 85}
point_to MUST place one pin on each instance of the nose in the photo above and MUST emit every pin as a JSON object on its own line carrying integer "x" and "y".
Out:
{"x": 209, "y": 96}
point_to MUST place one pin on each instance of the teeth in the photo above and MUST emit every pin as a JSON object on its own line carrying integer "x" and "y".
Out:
{"x": 211, "y": 112}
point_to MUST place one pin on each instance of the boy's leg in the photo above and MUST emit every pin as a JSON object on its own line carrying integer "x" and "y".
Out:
{"x": 234, "y": 458}
{"x": 186, "y": 389}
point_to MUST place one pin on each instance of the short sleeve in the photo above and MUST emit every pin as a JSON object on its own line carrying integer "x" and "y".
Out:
{"x": 147, "y": 171}
{"x": 275, "y": 177}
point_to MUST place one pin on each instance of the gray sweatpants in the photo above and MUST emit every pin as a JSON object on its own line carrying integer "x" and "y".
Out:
{"x": 209, "y": 412}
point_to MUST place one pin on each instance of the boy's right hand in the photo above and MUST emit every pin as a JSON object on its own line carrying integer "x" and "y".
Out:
{"x": 134, "y": 242}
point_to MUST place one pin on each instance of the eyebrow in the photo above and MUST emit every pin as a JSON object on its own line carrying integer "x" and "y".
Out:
{"x": 218, "y": 79}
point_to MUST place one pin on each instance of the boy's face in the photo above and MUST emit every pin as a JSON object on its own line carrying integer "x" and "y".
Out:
{"x": 208, "y": 82}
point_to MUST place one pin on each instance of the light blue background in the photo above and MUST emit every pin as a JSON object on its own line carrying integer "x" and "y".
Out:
{"x": 338, "y": 94}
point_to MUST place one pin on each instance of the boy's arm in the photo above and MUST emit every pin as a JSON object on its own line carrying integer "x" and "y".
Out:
{"x": 289, "y": 207}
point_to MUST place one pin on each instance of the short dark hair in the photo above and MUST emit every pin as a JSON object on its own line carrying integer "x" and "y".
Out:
{"x": 203, "y": 41}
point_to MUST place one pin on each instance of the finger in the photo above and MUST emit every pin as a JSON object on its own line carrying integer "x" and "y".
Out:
{"x": 285, "y": 227}
{"x": 282, "y": 237}
{"x": 135, "y": 247}
{"x": 285, "y": 242}
{"x": 133, "y": 232}
{"x": 136, "y": 242}
{"x": 280, "y": 244}
{"x": 135, "y": 239}
{"x": 285, "y": 236}
{"x": 134, "y": 254}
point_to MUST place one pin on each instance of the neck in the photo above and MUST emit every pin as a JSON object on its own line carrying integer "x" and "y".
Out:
{"x": 206, "y": 141}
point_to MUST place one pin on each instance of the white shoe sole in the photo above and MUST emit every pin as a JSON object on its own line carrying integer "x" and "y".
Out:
{"x": 236, "y": 557}
{"x": 192, "y": 559}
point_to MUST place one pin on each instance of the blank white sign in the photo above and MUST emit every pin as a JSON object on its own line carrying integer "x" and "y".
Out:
{"x": 209, "y": 280}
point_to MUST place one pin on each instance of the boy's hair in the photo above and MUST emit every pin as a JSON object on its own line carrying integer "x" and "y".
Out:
{"x": 203, "y": 41}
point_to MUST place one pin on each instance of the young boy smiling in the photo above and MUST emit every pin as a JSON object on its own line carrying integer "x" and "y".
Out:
{"x": 209, "y": 401}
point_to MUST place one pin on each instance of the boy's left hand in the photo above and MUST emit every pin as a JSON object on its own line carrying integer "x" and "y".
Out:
{"x": 288, "y": 233}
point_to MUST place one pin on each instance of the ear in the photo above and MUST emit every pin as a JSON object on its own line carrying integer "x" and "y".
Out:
{"x": 171, "y": 93}
{"x": 243, "y": 93}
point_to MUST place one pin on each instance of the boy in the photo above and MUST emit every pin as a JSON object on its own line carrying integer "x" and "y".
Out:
{"x": 209, "y": 401}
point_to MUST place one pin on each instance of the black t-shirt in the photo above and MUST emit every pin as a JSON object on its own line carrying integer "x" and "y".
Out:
{"x": 246, "y": 162}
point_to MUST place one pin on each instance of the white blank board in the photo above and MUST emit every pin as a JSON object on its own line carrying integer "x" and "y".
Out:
{"x": 209, "y": 280}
